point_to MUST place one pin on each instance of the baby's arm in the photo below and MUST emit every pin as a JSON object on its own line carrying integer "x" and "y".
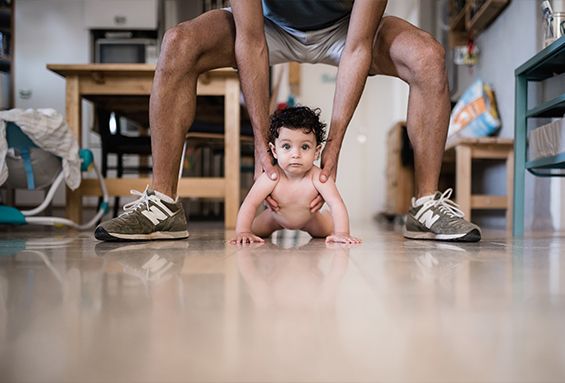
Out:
{"x": 259, "y": 191}
{"x": 329, "y": 192}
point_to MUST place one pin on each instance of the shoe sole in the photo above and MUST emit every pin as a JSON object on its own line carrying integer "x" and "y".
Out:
{"x": 472, "y": 236}
{"x": 102, "y": 235}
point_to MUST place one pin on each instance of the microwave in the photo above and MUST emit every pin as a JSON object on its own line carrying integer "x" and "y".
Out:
{"x": 126, "y": 50}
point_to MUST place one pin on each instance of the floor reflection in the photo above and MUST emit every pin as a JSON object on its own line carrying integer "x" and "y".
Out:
{"x": 293, "y": 309}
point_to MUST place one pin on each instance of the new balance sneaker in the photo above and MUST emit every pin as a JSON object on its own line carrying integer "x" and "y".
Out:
{"x": 147, "y": 218}
{"x": 152, "y": 262}
{"x": 437, "y": 217}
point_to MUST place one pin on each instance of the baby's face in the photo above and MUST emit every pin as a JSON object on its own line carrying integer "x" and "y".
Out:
{"x": 295, "y": 150}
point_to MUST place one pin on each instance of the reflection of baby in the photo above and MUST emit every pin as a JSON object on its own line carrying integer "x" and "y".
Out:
{"x": 292, "y": 279}
{"x": 295, "y": 138}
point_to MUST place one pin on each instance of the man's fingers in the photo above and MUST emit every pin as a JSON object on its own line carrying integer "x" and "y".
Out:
{"x": 269, "y": 168}
{"x": 271, "y": 203}
{"x": 316, "y": 204}
{"x": 326, "y": 173}
{"x": 329, "y": 164}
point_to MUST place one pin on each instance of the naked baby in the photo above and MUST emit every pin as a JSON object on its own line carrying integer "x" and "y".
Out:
{"x": 295, "y": 139}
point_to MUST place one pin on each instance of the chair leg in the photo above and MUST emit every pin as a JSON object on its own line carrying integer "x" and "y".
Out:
{"x": 104, "y": 172}
{"x": 120, "y": 169}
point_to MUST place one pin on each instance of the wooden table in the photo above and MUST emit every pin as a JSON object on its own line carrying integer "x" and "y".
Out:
{"x": 466, "y": 149}
{"x": 94, "y": 80}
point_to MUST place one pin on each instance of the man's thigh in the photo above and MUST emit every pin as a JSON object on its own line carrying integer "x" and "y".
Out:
{"x": 210, "y": 37}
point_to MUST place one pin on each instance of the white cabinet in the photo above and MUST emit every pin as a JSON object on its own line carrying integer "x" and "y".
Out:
{"x": 120, "y": 14}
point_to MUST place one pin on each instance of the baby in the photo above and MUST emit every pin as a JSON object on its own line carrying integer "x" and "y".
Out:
{"x": 295, "y": 138}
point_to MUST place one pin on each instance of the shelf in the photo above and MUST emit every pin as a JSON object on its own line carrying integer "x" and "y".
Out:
{"x": 551, "y": 108}
{"x": 464, "y": 24}
{"x": 457, "y": 23}
{"x": 548, "y": 62}
{"x": 553, "y": 162}
{"x": 544, "y": 65}
{"x": 485, "y": 15}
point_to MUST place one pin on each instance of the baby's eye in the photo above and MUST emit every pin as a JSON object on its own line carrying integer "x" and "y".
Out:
{"x": 305, "y": 147}
{"x": 286, "y": 146}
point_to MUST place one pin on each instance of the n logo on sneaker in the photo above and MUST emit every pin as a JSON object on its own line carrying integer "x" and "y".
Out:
{"x": 428, "y": 218}
{"x": 156, "y": 215}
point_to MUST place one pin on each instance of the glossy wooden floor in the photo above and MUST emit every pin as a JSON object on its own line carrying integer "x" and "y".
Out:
{"x": 294, "y": 310}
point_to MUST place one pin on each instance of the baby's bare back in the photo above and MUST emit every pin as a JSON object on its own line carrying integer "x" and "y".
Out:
{"x": 294, "y": 198}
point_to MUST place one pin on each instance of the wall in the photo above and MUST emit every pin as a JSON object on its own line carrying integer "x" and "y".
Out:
{"x": 47, "y": 31}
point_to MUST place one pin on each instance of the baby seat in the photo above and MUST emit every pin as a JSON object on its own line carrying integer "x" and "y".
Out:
{"x": 32, "y": 168}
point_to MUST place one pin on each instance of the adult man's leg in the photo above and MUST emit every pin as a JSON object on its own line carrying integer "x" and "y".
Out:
{"x": 189, "y": 49}
{"x": 406, "y": 52}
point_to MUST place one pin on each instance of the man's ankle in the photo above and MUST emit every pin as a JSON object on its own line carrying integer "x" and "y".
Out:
{"x": 165, "y": 196}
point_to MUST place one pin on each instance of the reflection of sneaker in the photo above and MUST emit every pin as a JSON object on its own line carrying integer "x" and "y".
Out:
{"x": 150, "y": 262}
{"x": 147, "y": 218}
{"x": 439, "y": 218}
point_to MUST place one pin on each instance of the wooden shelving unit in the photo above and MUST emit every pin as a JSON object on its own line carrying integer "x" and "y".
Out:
{"x": 473, "y": 18}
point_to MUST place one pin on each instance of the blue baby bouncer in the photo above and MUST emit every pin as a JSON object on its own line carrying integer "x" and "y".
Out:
{"x": 33, "y": 168}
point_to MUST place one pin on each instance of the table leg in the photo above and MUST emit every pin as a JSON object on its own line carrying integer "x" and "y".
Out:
{"x": 509, "y": 188}
{"x": 232, "y": 152}
{"x": 74, "y": 202}
{"x": 463, "y": 178}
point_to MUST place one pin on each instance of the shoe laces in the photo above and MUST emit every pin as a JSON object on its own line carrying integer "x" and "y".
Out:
{"x": 445, "y": 204}
{"x": 143, "y": 199}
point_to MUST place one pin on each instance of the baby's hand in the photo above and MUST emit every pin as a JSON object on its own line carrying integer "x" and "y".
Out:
{"x": 242, "y": 238}
{"x": 342, "y": 238}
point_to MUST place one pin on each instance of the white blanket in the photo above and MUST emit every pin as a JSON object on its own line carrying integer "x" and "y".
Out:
{"x": 49, "y": 131}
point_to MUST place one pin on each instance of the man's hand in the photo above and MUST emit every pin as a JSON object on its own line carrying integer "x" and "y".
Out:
{"x": 329, "y": 169}
{"x": 329, "y": 163}
{"x": 263, "y": 163}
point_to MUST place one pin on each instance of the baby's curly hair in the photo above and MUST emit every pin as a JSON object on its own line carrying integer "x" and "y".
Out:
{"x": 298, "y": 117}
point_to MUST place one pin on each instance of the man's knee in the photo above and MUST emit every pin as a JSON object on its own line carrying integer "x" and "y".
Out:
{"x": 429, "y": 60}
{"x": 180, "y": 45}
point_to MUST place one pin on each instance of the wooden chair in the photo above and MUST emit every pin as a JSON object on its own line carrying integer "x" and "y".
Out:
{"x": 116, "y": 143}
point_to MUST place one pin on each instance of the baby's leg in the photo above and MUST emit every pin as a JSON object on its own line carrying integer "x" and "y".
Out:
{"x": 320, "y": 225}
{"x": 264, "y": 224}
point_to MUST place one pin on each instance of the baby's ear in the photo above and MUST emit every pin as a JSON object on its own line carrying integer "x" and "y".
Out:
{"x": 273, "y": 149}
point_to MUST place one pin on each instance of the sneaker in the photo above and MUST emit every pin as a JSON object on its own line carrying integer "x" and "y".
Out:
{"x": 146, "y": 218}
{"x": 439, "y": 218}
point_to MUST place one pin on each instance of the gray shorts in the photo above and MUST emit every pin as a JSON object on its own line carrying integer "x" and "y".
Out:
{"x": 320, "y": 46}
